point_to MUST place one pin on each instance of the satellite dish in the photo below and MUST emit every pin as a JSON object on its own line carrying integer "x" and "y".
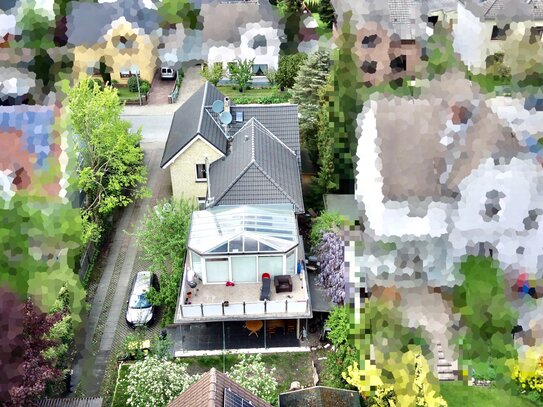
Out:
{"x": 225, "y": 118}
{"x": 217, "y": 106}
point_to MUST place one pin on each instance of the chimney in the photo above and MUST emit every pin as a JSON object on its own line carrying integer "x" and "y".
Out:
{"x": 227, "y": 104}
{"x": 207, "y": 177}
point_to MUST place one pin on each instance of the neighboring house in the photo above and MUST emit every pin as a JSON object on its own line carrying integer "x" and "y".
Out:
{"x": 254, "y": 160}
{"x": 513, "y": 28}
{"x": 440, "y": 11}
{"x": 320, "y": 396}
{"x": 215, "y": 389}
{"x": 389, "y": 34}
{"x": 241, "y": 30}
{"x": 410, "y": 183}
{"x": 112, "y": 42}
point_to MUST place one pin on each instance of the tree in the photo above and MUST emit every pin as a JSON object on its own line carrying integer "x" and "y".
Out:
{"x": 288, "y": 69}
{"x": 270, "y": 76}
{"x": 36, "y": 27}
{"x": 213, "y": 75}
{"x": 178, "y": 12}
{"x": 163, "y": 238}
{"x": 251, "y": 373}
{"x": 241, "y": 72}
{"x": 311, "y": 77}
{"x": 327, "y": 13}
{"x": 36, "y": 371}
{"x": 485, "y": 315}
{"x": 292, "y": 6}
{"x": 156, "y": 382}
{"x": 326, "y": 178}
{"x": 112, "y": 173}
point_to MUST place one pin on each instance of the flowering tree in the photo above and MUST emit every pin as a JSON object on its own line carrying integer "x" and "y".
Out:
{"x": 252, "y": 374}
{"x": 330, "y": 254}
{"x": 155, "y": 382}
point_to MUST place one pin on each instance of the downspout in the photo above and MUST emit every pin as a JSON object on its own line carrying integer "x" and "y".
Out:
{"x": 207, "y": 178}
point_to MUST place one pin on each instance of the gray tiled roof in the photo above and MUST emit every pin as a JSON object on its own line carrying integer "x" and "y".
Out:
{"x": 280, "y": 119}
{"x": 507, "y": 10}
{"x": 259, "y": 161}
{"x": 192, "y": 119}
{"x": 402, "y": 17}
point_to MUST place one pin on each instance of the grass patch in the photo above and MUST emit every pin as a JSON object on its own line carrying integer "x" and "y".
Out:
{"x": 125, "y": 94}
{"x": 120, "y": 397}
{"x": 232, "y": 92}
{"x": 457, "y": 394}
{"x": 288, "y": 366}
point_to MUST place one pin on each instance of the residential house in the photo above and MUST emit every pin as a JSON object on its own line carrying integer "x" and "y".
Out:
{"x": 215, "y": 389}
{"x": 111, "y": 41}
{"x": 241, "y": 30}
{"x": 223, "y": 164}
{"x": 440, "y": 11}
{"x": 498, "y": 30}
{"x": 390, "y": 36}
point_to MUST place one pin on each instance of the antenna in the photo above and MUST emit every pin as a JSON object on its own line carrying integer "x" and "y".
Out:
{"x": 218, "y": 106}
{"x": 225, "y": 118}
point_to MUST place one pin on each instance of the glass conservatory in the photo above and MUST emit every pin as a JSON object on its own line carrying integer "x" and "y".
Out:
{"x": 240, "y": 243}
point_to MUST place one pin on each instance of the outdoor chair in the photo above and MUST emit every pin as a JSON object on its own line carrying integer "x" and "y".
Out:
{"x": 283, "y": 284}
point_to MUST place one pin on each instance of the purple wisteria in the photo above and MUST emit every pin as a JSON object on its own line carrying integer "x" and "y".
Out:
{"x": 330, "y": 254}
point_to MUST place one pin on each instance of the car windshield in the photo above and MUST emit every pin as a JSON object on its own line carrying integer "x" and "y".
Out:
{"x": 139, "y": 301}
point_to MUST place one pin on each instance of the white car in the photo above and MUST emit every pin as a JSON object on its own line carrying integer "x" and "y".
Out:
{"x": 140, "y": 311}
{"x": 167, "y": 73}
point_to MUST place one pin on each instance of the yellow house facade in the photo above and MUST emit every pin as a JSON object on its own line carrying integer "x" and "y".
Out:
{"x": 122, "y": 52}
{"x": 188, "y": 169}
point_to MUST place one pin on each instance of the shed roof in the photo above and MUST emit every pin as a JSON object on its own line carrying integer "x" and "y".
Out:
{"x": 259, "y": 160}
{"x": 72, "y": 402}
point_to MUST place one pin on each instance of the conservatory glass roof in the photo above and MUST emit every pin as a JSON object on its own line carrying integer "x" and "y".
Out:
{"x": 243, "y": 229}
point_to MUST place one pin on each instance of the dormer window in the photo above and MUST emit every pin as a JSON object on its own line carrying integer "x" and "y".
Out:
{"x": 499, "y": 33}
{"x": 370, "y": 41}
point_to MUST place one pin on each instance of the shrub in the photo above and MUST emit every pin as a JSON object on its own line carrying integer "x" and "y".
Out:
{"x": 288, "y": 69}
{"x": 213, "y": 75}
{"x": 251, "y": 373}
{"x": 326, "y": 222}
{"x": 241, "y": 72}
{"x": 133, "y": 84}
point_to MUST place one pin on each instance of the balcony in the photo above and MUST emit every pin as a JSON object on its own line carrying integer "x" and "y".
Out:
{"x": 217, "y": 302}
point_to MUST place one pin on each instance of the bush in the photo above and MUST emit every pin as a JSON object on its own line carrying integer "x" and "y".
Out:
{"x": 484, "y": 371}
{"x": 326, "y": 222}
{"x": 133, "y": 85}
{"x": 288, "y": 69}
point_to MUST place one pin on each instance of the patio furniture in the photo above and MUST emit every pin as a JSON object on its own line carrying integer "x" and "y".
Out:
{"x": 291, "y": 326}
{"x": 253, "y": 327}
{"x": 265, "y": 289}
{"x": 273, "y": 324}
{"x": 282, "y": 284}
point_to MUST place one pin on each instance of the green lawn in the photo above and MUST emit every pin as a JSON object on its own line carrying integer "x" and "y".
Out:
{"x": 459, "y": 395}
{"x": 120, "y": 396}
{"x": 232, "y": 92}
{"x": 125, "y": 94}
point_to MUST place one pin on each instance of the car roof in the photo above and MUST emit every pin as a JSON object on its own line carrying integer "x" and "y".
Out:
{"x": 142, "y": 282}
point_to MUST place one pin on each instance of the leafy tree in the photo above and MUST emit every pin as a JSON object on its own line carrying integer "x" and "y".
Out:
{"x": 36, "y": 27}
{"x": 326, "y": 179}
{"x": 156, "y": 382}
{"x": 485, "y": 315}
{"x": 327, "y": 13}
{"x": 213, "y": 75}
{"x": 164, "y": 240}
{"x": 291, "y": 6}
{"x": 241, "y": 72}
{"x": 311, "y": 77}
{"x": 112, "y": 173}
{"x": 270, "y": 76}
{"x": 29, "y": 381}
{"x": 289, "y": 65}
{"x": 178, "y": 12}
{"x": 344, "y": 106}
{"x": 251, "y": 373}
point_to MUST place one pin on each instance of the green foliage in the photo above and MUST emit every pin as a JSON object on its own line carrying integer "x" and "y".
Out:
{"x": 327, "y": 13}
{"x": 290, "y": 6}
{"x": 133, "y": 85}
{"x": 289, "y": 65}
{"x": 498, "y": 69}
{"x": 277, "y": 97}
{"x": 270, "y": 76}
{"x": 325, "y": 222}
{"x": 179, "y": 12}
{"x": 213, "y": 75}
{"x": 252, "y": 374}
{"x": 36, "y": 27}
{"x": 163, "y": 237}
{"x": 441, "y": 56}
{"x": 132, "y": 345}
{"x": 241, "y": 72}
{"x": 484, "y": 371}
{"x": 344, "y": 105}
{"x": 311, "y": 78}
{"x": 112, "y": 173}
{"x": 486, "y": 315}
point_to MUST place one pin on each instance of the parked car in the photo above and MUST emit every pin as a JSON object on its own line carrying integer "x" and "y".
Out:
{"x": 167, "y": 73}
{"x": 140, "y": 311}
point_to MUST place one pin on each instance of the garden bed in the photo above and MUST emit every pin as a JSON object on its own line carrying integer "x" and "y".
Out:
{"x": 255, "y": 95}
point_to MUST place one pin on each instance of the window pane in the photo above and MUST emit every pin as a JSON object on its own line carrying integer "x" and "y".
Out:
{"x": 244, "y": 269}
{"x": 291, "y": 262}
{"x": 251, "y": 245}
{"x": 200, "y": 171}
{"x": 265, "y": 248}
{"x": 217, "y": 270}
{"x": 273, "y": 265}
{"x": 196, "y": 264}
{"x": 235, "y": 245}
{"x": 223, "y": 248}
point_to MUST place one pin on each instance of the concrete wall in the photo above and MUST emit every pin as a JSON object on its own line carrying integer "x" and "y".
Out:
{"x": 183, "y": 170}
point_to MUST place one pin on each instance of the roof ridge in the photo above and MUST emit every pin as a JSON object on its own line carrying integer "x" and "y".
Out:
{"x": 212, "y": 386}
{"x": 202, "y": 109}
{"x": 273, "y": 136}
{"x": 214, "y": 121}
{"x": 293, "y": 201}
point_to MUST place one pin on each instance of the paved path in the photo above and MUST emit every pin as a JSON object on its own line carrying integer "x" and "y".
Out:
{"x": 160, "y": 90}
